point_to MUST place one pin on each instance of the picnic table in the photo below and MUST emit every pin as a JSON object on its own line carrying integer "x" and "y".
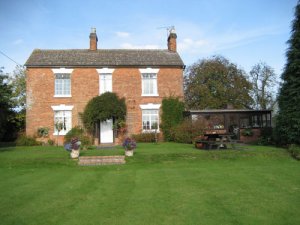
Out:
{"x": 215, "y": 141}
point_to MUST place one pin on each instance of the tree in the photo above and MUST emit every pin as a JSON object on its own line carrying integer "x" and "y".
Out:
{"x": 216, "y": 83}
{"x": 263, "y": 79}
{"x": 5, "y": 104}
{"x": 102, "y": 108}
{"x": 288, "y": 120}
{"x": 17, "y": 82}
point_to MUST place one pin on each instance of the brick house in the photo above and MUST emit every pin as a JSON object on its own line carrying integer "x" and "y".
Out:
{"x": 59, "y": 83}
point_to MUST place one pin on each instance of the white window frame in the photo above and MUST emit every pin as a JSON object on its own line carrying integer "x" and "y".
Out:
{"x": 103, "y": 73}
{"x": 62, "y": 71}
{"x": 151, "y": 106}
{"x": 62, "y": 107}
{"x": 155, "y": 86}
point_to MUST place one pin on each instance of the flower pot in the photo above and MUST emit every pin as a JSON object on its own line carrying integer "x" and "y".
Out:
{"x": 129, "y": 152}
{"x": 74, "y": 154}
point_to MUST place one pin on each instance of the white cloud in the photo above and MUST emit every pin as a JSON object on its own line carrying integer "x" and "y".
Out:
{"x": 122, "y": 34}
{"x": 18, "y": 42}
{"x": 131, "y": 46}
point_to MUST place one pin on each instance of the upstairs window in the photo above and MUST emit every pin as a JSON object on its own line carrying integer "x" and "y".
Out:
{"x": 62, "y": 85}
{"x": 105, "y": 83}
{"x": 149, "y": 82}
{"x": 105, "y": 80}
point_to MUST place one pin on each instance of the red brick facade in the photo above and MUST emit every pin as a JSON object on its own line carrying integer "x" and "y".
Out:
{"x": 126, "y": 82}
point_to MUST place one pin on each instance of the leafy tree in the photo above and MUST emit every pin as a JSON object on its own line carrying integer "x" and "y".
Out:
{"x": 288, "y": 120}
{"x": 172, "y": 115}
{"x": 5, "y": 103}
{"x": 216, "y": 83}
{"x": 263, "y": 79}
{"x": 18, "y": 83}
{"x": 102, "y": 108}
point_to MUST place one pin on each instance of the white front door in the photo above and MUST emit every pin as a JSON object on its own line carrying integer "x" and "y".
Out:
{"x": 106, "y": 131}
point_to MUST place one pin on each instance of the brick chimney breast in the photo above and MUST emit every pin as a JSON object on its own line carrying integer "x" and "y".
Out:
{"x": 93, "y": 39}
{"x": 172, "y": 45}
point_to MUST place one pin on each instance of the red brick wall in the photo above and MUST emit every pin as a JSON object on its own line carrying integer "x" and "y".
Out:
{"x": 85, "y": 85}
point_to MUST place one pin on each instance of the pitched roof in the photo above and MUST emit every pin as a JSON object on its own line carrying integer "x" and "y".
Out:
{"x": 104, "y": 58}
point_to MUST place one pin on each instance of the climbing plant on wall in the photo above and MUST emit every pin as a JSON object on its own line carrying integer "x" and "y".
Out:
{"x": 102, "y": 108}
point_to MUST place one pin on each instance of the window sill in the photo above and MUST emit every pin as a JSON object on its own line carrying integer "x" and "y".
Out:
{"x": 62, "y": 96}
{"x": 60, "y": 134}
{"x": 150, "y": 95}
{"x": 150, "y": 131}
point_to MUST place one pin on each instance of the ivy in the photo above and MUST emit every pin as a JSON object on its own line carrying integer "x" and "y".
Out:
{"x": 172, "y": 115}
{"x": 102, "y": 108}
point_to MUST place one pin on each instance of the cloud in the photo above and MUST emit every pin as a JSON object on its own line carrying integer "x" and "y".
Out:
{"x": 122, "y": 34}
{"x": 18, "y": 42}
{"x": 228, "y": 39}
{"x": 131, "y": 46}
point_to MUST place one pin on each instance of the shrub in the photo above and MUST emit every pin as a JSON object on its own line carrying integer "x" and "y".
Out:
{"x": 144, "y": 137}
{"x": 294, "y": 150}
{"x": 78, "y": 132}
{"x": 24, "y": 140}
{"x": 43, "y": 132}
{"x": 187, "y": 131}
{"x": 172, "y": 115}
{"x": 50, "y": 142}
{"x": 248, "y": 132}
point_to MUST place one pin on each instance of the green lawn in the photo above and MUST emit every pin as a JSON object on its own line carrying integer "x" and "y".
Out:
{"x": 164, "y": 183}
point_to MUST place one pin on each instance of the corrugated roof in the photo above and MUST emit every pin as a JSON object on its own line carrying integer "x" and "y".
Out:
{"x": 104, "y": 58}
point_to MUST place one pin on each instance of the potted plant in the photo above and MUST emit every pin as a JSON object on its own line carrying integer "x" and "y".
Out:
{"x": 129, "y": 145}
{"x": 73, "y": 147}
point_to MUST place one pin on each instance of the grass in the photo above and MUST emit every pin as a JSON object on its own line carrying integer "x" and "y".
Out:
{"x": 163, "y": 183}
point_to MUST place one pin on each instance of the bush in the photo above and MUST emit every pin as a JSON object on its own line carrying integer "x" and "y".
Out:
{"x": 294, "y": 150}
{"x": 24, "y": 140}
{"x": 248, "y": 132}
{"x": 187, "y": 131}
{"x": 172, "y": 115}
{"x": 78, "y": 132}
{"x": 266, "y": 136}
{"x": 144, "y": 137}
{"x": 50, "y": 142}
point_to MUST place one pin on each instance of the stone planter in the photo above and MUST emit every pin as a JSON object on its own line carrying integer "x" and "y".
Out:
{"x": 129, "y": 152}
{"x": 74, "y": 154}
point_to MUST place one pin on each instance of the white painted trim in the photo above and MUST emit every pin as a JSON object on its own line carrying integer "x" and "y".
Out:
{"x": 148, "y": 70}
{"x": 62, "y": 107}
{"x": 150, "y": 95}
{"x": 150, "y": 106}
{"x": 105, "y": 70}
{"x": 61, "y": 133}
{"x": 62, "y": 96}
{"x": 62, "y": 70}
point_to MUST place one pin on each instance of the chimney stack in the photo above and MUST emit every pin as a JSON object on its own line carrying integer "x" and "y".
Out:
{"x": 93, "y": 39}
{"x": 172, "y": 45}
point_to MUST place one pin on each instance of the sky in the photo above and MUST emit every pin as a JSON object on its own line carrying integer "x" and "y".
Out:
{"x": 244, "y": 31}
